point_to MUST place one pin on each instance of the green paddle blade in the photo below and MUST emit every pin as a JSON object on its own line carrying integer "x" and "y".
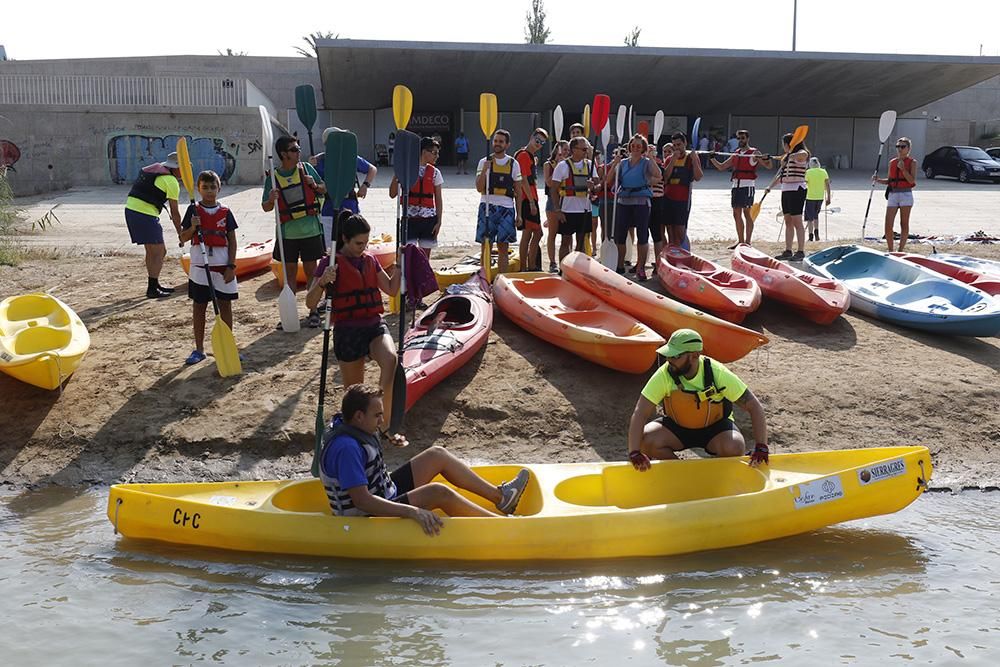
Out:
{"x": 305, "y": 105}
{"x": 406, "y": 158}
{"x": 340, "y": 164}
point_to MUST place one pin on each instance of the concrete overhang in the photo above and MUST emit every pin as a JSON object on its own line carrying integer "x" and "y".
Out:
{"x": 360, "y": 74}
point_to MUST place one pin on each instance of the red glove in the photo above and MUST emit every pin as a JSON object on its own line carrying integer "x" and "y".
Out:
{"x": 759, "y": 454}
{"x": 639, "y": 461}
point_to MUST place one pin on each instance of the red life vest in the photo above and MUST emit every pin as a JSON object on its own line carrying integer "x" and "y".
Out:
{"x": 296, "y": 200}
{"x": 678, "y": 187}
{"x": 213, "y": 226}
{"x": 355, "y": 293}
{"x": 422, "y": 191}
{"x": 743, "y": 169}
{"x": 896, "y": 179}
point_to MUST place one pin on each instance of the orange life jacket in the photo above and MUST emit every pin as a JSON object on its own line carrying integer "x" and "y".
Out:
{"x": 355, "y": 293}
{"x": 213, "y": 226}
{"x": 576, "y": 184}
{"x": 296, "y": 200}
{"x": 697, "y": 409}
{"x": 896, "y": 179}
{"x": 422, "y": 191}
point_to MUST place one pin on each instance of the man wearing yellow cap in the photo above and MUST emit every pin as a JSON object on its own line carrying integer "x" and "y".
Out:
{"x": 697, "y": 394}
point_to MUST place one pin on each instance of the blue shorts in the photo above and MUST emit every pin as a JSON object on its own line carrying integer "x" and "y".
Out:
{"x": 900, "y": 199}
{"x": 499, "y": 228}
{"x": 144, "y": 229}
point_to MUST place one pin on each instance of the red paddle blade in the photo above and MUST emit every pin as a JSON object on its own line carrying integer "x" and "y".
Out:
{"x": 644, "y": 128}
{"x": 599, "y": 112}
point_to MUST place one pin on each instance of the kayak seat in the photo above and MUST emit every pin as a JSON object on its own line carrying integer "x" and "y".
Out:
{"x": 35, "y": 339}
{"x": 609, "y": 324}
{"x": 725, "y": 278}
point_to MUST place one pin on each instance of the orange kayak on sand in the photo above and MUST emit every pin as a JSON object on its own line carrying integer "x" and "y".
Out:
{"x": 251, "y": 258}
{"x": 384, "y": 252}
{"x": 816, "y": 298}
{"x": 572, "y": 318}
{"x": 697, "y": 280}
{"x": 724, "y": 341}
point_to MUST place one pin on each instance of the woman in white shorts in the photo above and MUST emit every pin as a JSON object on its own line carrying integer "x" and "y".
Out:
{"x": 899, "y": 195}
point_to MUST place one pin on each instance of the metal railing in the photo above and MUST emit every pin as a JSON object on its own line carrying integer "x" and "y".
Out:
{"x": 98, "y": 90}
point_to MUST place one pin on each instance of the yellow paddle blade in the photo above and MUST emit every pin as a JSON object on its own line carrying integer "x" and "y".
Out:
{"x": 402, "y": 106}
{"x": 587, "y": 248}
{"x": 755, "y": 211}
{"x": 799, "y": 135}
{"x": 227, "y": 356}
{"x": 184, "y": 161}
{"x": 393, "y": 304}
{"x": 488, "y": 113}
{"x": 485, "y": 260}
{"x": 586, "y": 120}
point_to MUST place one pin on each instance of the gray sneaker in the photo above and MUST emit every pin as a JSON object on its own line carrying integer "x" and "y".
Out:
{"x": 510, "y": 492}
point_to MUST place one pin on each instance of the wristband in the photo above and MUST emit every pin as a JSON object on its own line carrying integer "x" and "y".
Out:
{"x": 230, "y": 266}
{"x": 366, "y": 184}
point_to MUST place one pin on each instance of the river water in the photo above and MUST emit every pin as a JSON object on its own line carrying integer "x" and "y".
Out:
{"x": 922, "y": 585}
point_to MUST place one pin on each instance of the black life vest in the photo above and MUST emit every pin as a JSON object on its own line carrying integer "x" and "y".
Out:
{"x": 379, "y": 481}
{"x": 501, "y": 179}
{"x": 531, "y": 177}
{"x": 144, "y": 188}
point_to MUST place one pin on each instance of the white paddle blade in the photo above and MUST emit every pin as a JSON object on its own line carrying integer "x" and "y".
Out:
{"x": 657, "y": 126}
{"x": 606, "y": 135}
{"x": 620, "y": 123}
{"x": 630, "y": 114}
{"x": 609, "y": 255}
{"x": 885, "y": 125}
{"x": 557, "y": 122}
{"x": 288, "y": 310}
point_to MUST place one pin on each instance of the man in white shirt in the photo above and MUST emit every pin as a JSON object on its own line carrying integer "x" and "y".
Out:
{"x": 496, "y": 178}
{"x": 571, "y": 183}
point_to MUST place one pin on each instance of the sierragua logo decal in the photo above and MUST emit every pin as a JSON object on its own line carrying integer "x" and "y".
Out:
{"x": 817, "y": 492}
{"x": 881, "y": 471}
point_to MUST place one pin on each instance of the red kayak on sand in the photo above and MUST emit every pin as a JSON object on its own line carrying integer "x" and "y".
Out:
{"x": 816, "y": 298}
{"x": 703, "y": 283}
{"x": 447, "y": 335}
{"x": 981, "y": 281}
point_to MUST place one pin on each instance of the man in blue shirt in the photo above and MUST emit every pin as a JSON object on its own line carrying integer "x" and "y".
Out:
{"x": 351, "y": 201}
{"x": 462, "y": 154}
{"x": 357, "y": 482}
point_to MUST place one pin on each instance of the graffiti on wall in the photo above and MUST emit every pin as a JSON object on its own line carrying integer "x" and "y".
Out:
{"x": 128, "y": 153}
{"x": 9, "y": 154}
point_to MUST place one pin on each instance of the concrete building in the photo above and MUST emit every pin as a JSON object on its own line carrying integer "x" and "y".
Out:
{"x": 96, "y": 121}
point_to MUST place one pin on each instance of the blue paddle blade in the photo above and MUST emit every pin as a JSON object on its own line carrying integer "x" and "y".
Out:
{"x": 340, "y": 164}
{"x": 406, "y": 158}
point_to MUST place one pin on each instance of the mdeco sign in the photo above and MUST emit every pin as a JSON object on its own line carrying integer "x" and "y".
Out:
{"x": 429, "y": 122}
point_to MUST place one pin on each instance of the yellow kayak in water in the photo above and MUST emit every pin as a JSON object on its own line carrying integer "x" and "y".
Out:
{"x": 568, "y": 511}
{"x": 42, "y": 341}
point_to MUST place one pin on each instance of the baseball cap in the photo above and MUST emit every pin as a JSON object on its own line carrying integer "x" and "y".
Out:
{"x": 681, "y": 341}
{"x": 171, "y": 162}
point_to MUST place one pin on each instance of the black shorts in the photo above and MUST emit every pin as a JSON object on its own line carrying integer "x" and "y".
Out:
{"x": 657, "y": 218}
{"x": 698, "y": 437}
{"x": 576, "y": 223}
{"x": 418, "y": 229}
{"x": 201, "y": 294}
{"x": 742, "y": 197}
{"x": 532, "y": 221}
{"x": 793, "y": 201}
{"x": 352, "y": 343}
{"x": 677, "y": 213}
{"x": 402, "y": 477}
{"x": 308, "y": 250}
{"x": 812, "y": 208}
{"x": 632, "y": 216}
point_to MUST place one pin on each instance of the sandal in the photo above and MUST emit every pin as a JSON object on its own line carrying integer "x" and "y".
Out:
{"x": 313, "y": 322}
{"x": 195, "y": 357}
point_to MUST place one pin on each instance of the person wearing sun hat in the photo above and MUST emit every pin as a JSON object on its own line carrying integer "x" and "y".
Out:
{"x": 697, "y": 394}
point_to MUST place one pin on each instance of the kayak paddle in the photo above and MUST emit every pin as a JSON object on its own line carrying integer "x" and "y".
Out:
{"x": 609, "y": 251}
{"x": 557, "y": 122}
{"x": 631, "y": 121}
{"x": 340, "y": 159}
{"x": 406, "y": 166}
{"x": 402, "y": 107}
{"x": 305, "y": 109}
{"x": 227, "y": 356}
{"x": 657, "y": 127}
{"x": 644, "y": 128}
{"x": 686, "y": 242}
{"x": 586, "y": 120}
{"x": 797, "y": 138}
{"x": 488, "y": 122}
{"x": 288, "y": 310}
{"x": 600, "y": 114}
{"x": 885, "y": 125}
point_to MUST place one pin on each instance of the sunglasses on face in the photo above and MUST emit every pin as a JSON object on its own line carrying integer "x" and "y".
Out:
{"x": 901, "y": 146}
{"x": 293, "y": 149}
{"x": 539, "y": 141}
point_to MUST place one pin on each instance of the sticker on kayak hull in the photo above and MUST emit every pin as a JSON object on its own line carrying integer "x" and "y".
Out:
{"x": 815, "y": 493}
{"x": 881, "y": 471}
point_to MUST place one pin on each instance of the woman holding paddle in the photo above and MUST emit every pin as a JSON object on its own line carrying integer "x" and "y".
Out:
{"x": 792, "y": 175}
{"x": 635, "y": 177}
{"x": 357, "y": 281}
{"x": 902, "y": 178}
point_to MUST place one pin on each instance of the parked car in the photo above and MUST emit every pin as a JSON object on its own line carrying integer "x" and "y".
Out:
{"x": 994, "y": 153}
{"x": 965, "y": 163}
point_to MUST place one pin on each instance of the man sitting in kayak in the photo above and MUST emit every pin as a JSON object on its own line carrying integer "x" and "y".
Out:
{"x": 697, "y": 393}
{"x": 357, "y": 482}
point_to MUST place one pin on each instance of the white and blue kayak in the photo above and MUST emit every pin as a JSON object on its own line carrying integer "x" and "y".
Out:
{"x": 906, "y": 294}
{"x": 988, "y": 267}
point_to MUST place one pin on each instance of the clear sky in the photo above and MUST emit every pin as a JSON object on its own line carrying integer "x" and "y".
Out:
{"x": 109, "y": 28}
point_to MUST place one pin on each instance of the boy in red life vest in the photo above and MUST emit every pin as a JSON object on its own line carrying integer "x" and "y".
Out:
{"x": 218, "y": 227}
{"x": 426, "y": 202}
{"x": 357, "y": 281}
{"x": 529, "y": 217}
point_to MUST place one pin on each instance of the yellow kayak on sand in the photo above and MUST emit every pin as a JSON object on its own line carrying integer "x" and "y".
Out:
{"x": 568, "y": 511}
{"x": 42, "y": 341}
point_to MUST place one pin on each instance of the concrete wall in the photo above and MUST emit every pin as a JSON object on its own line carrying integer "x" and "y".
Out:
{"x": 963, "y": 118}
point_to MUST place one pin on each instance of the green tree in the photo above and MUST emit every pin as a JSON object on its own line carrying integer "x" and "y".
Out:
{"x": 311, "y": 40}
{"x": 230, "y": 52}
{"x": 632, "y": 39}
{"x": 535, "y": 30}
